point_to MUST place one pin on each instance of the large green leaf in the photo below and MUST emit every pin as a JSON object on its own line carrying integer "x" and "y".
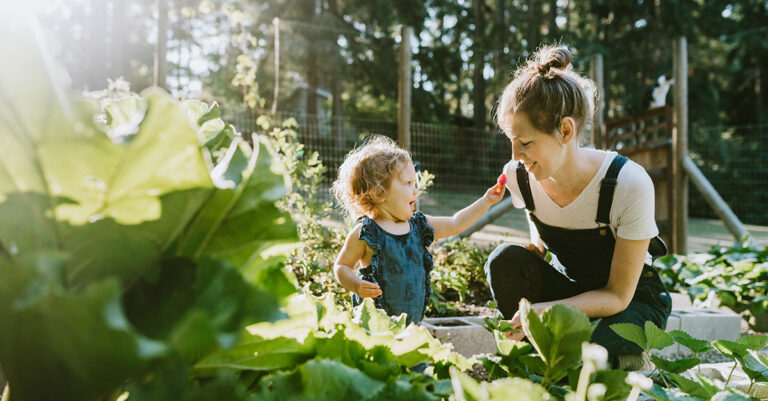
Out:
{"x": 730, "y": 349}
{"x": 677, "y": 366}
{"x": 198, "y": 307}
{"x": 631, "y": 332}
{"x": 615, "y": 383}
{"x": 68, "y": 346}
{"x": 558, "y": 336}
{"x": 319, "y": 379}
{"x": 755, "y": 365}
{"x": 86, "y": 215}
{"x": 694, "y": 344}
{"x": 657, "y": 338}
{"x": 756, "y": 343}
{"x": 240, "y": 223}
{"x": 692, "y": 387}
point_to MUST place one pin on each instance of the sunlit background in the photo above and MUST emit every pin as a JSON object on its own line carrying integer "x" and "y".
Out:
{"x": 335, "y": 64}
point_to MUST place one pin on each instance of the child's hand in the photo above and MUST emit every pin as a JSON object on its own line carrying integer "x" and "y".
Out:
{"x": 367, "y": 289}
{"x": 494, "y": 196}
{"x": 496, "y": 193}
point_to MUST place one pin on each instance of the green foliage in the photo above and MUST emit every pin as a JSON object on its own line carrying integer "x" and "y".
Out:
{"x": 742, "y": 351}
{"x": 503, "y": 389}
{"x": 322, "y": 352}
{"x": 458, "y": 275}
{"x": 737, "y": 276}
{"x": 321, "y": 239}
{"x": 121, "y": 237}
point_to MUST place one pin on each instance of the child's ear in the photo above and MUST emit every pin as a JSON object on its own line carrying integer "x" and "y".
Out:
{"x": 378, "y": 196}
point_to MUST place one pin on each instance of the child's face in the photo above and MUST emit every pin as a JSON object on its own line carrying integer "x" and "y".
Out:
{"x": 401, "y": 196}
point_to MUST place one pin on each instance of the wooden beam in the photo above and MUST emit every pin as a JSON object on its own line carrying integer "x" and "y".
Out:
{"x": 404, "y": 90}
{"x": 732, "y": 223}
{"x": 680, "y": 147}
{"x": 489, "y": 217}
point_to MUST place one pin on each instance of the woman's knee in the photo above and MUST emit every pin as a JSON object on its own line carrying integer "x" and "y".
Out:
{"x": 506, "y": 257}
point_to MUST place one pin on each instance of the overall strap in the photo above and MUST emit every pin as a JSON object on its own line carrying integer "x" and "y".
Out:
{"x": 525, "y": 186}
{"x": 607, "y": 187}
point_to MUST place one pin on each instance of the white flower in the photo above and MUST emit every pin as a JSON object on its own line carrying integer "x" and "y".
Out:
{"x": 596, "y": 391}
{"x": 594, "y": 353}
{"x": 638, "y": 380}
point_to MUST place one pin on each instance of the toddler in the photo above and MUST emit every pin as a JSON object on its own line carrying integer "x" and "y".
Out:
{"x": 376, "y": 185}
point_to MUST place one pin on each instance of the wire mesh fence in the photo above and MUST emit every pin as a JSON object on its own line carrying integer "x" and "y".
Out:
{"x": 466, "y": 161}
{"x": 731, "y": 157}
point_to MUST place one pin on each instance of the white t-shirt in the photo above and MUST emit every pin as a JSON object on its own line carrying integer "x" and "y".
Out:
{"x": 632, "y": 211}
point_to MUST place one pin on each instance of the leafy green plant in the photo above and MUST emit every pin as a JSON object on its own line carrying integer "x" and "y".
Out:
{"x": 742, "y": 351}
{"x": 321, "y": 239}
{"x": 321, "y": 352}
{"x": 127, "y": 251}
{"x": 458, "y": 275}
{"x": 737, "y": 276}
{"x": 557, "y": 356}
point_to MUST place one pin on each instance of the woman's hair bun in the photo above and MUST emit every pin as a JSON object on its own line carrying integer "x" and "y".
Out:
{"x": 552, "y": 57}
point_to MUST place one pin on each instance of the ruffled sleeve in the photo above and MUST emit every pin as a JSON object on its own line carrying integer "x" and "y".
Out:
{"x": 426, "y": 232}
{"x": 370, "y": 234}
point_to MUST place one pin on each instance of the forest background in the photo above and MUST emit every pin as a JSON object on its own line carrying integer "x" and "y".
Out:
{"x": 337, "y": 68}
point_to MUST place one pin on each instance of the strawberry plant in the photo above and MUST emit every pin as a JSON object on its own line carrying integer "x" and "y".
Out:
{"x": 677, "y": 385}
{"x": 736, "y": 275}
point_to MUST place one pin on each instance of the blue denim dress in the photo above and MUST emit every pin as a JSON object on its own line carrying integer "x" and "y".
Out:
{"x": 401, "y": 265}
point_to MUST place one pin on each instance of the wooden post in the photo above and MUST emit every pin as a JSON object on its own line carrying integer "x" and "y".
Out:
{"x": 680, "y": 147}
{"x": 598, "y": 123}
{"x": 404, "y": 90}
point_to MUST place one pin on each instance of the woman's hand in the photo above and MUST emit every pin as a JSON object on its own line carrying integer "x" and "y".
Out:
{"x": 517, "y": 325}
{"x": 535, "y": 249}
{"x": 367, "y": 289}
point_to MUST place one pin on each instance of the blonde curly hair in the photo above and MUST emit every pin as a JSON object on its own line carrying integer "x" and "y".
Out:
{"x": 366, "y": 174}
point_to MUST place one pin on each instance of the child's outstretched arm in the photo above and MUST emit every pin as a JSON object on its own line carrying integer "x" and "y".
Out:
{"x": 354, "y": 250}
{"x": 446, "y": 226}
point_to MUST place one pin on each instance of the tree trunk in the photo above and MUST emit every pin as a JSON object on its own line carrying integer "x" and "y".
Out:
{"x": 161, "y": 61}
{"x": 336, "y": 87}
{"x": 534, "y": 22}
{"x": 478, "y": 53}
{"x": 552, "y": 19}
{"x": 500, "y": 20}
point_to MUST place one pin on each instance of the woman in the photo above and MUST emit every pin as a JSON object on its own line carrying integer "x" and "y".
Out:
{"x": 592, "y": 210}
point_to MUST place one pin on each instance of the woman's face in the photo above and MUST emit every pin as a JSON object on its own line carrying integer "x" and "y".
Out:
{"x": 541, "y": 153}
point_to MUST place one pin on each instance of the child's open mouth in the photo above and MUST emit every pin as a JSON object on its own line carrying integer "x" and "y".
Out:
{"x": 413, "y": 204}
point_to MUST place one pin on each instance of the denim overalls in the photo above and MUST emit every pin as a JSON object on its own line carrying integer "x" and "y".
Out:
{"x": 585, "y": 255}
{"x": 401, "y": 265}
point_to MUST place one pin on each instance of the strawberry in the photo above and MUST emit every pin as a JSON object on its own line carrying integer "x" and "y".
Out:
{"x": 500, "y": 182}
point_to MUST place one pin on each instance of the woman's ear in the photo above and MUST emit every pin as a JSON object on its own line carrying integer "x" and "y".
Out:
{"x": 567, "y": 129}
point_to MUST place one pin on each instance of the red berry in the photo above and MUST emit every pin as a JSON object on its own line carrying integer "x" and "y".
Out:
{"x": 502, "y": 180}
